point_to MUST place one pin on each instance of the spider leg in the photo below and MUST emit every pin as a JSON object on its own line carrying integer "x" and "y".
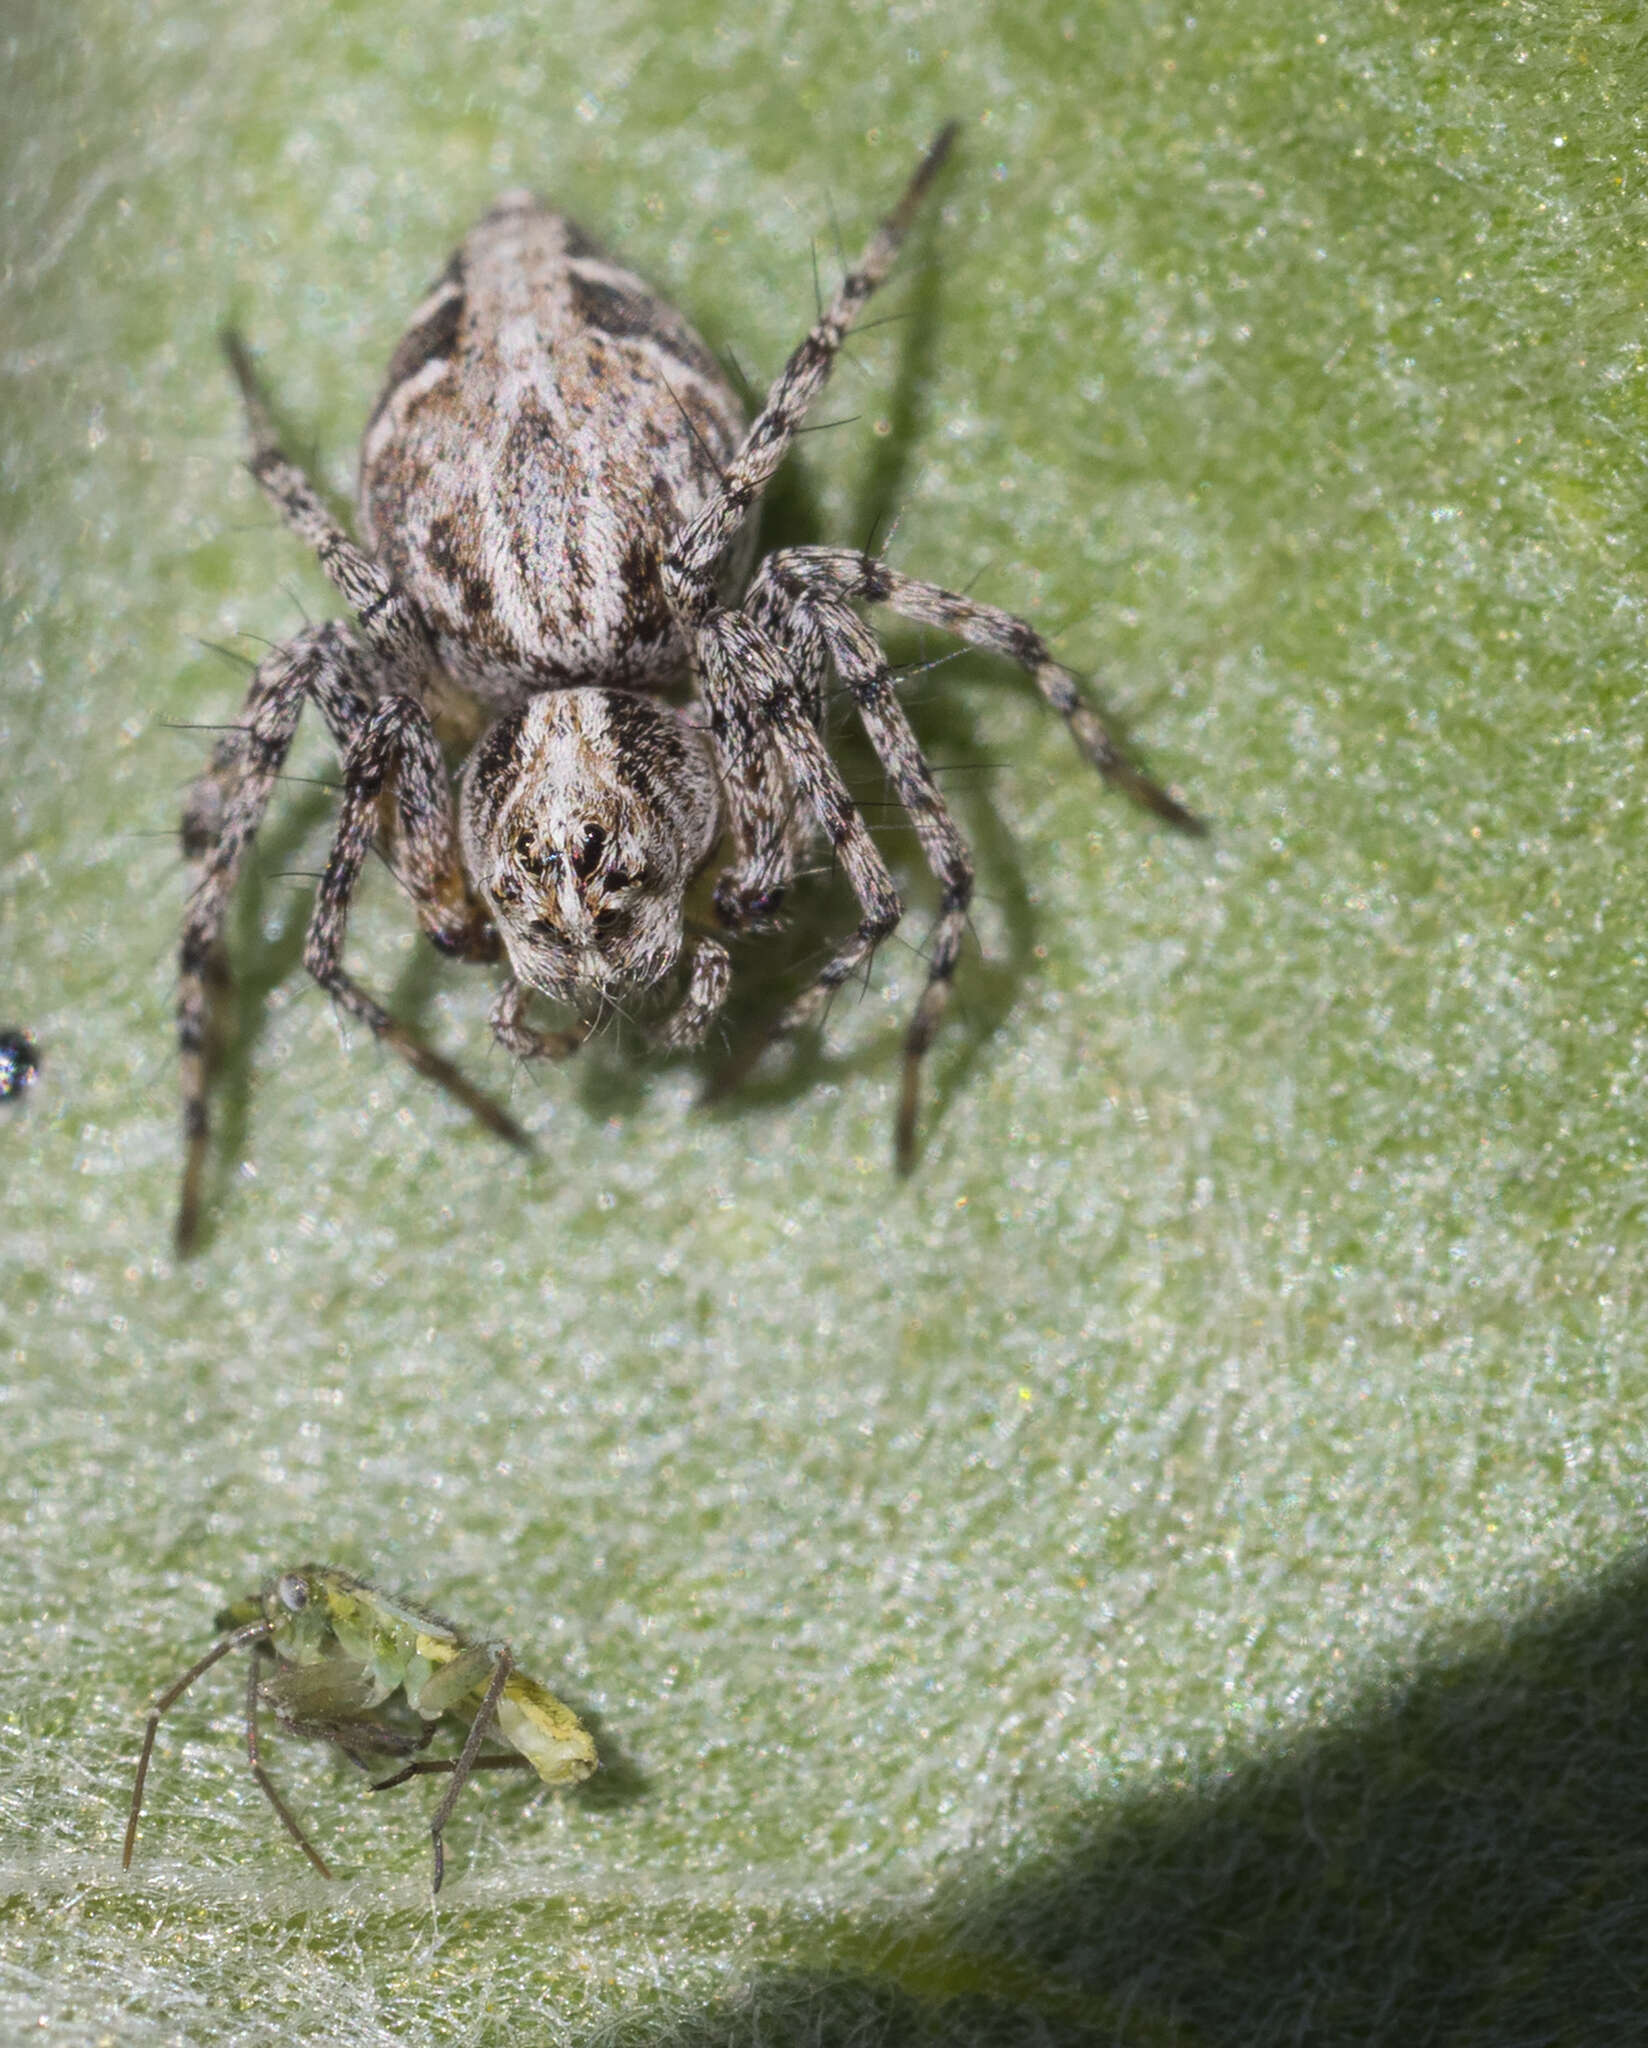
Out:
{"x": 759, "y": 801}
{"x": 708, "y": 977}
{"x": 396, "y": 746}
{"x": 265, "y": 1783}
{"x": 770, "y": 830}
{"x": 831, "y": 577}
{"x": 749, "y": 689}
{"x": 524, "y": 1040}
{"x": 220, "y": 821}
{"x": 862, "y": 667}
{"x": 815, "y": 588}
{"x": 389, "y": 621}
{"x": 761, "y": 684}
{"x": 689, "y": 567}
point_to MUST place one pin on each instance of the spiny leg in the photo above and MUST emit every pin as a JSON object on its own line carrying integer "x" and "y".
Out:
{"x": 254, "y": 1632}
{"x": 425, "y": 855}
{"x": 393, "y": 627}
{"x": 708, "y": 978}
{"x": 689, "y": 567}
{"x": 221, "y": 819}
{"x": 770, "y": 829}
{"x": 524, "y": 1040}
{"x": 288, "y": 1819}
{"x": 762, "y": 709}
{"x": 396, "y": 730}
{"x": 862, "y": 667}
{"x": 485, "y": 1715}
{"x": 743, "y": 670}
{"x": 844, "y": 574}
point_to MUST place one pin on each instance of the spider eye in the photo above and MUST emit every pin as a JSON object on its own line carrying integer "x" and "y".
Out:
{"x": 592, "y": 844}
{"x": 292, "y": 1592}
{"x": 525, "y": 851}
{"x": 609, "y": 918}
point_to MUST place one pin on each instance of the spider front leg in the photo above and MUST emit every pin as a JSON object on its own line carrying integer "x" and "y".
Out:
{"x": 220, "y": 821}
{"x": 750, "y": 691}
{"x": 812, "y": 589}
{"x": 396, "y": 747}
{"x": 709, "y": 975}
{"x": 819, "y": 585}
{"x": 859, "y": 662}
{"x": 524, "y": 1040}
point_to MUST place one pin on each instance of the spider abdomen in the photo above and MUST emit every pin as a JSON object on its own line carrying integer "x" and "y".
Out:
{"x": 547, "y": 424}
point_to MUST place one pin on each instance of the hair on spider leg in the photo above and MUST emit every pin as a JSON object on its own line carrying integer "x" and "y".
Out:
{"x": 519, "y": 853}
{"x": 825, "y": 426}
{"x": 232, "y": 655}
{"x": 692, "y": 428}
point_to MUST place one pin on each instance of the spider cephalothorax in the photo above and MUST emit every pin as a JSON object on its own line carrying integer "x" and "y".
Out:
{"x": 583, "y": 818}
{"x": 558, "y": 494}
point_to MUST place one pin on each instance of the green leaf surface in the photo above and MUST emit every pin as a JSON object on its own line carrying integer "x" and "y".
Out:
{"x": 1168, "y": 1572}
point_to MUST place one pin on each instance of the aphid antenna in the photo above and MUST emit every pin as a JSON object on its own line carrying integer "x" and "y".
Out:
{"x": 253, "y": 1632}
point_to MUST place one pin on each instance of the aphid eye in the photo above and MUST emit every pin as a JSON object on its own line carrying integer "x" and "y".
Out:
{"x": 293, "y": 1593}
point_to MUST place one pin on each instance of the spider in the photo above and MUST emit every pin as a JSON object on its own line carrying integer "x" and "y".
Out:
{"x": 557, "y": 499}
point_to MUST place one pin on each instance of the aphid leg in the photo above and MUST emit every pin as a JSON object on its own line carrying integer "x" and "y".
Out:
{"x": 524, "y": 1040}
{"x": 254, "y": 1632}
{"x": 220, "y": 821}
{"x": 485, "y": 1715}
{"x": 707, "y": 982}
{"x": 689, "y": 567}
{"x": 426, "y": 860}
{"x": 742, "y": 668}
{"x": 388, "y": 618}
{"x": 432, "y": 1767}
{"x": 287, "y": 1818}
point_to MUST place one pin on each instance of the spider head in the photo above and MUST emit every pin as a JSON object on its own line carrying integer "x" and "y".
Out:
{"x": 584, "y": 817}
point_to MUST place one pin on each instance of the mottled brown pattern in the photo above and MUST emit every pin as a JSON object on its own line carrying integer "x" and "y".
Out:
{"x": 531, "y": 466}
{"x": 557, "y": 498}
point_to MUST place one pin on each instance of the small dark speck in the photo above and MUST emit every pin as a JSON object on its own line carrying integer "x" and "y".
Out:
{"x": 19, "y": 1063}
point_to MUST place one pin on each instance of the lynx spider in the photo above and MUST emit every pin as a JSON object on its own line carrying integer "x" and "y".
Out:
{"x": 557, "y": 490}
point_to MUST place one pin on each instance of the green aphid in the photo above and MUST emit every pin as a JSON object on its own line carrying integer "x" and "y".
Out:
{"x": 341, "y": 1650}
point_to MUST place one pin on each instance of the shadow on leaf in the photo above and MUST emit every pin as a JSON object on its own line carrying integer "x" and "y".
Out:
{"x": 1464, "y": 1860}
